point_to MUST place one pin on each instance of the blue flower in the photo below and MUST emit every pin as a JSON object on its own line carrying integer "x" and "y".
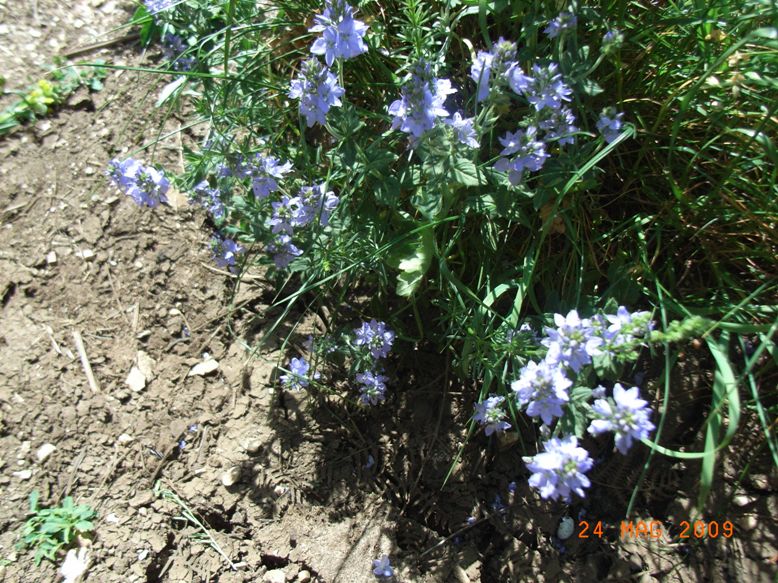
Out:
{"x": 565, "y": 21}
{"x": 489, "y": 68}
{"x": 373, "y": 389}
{"x": 316, "y": 202}
{"x": 544, "y": 89}
{"x": 209, "y": 198}
{"x": 264, "y": 170}
{"x": 612, "y": 40}
{"x": 490, "y": 414}
{"x": 225, "y": 251}
{"x": 375, "y": 336}
{"x": 530, "y": 154}
{"x": 625, "y": 327}
{"x": 154, "y": 6}
{"x": 422, "y": 99}
{"x": 342, "y": 36}
{"x": 610, "y": 124}
{"x": 543, "y": 387}
{"x": 144, "y": 184}
{"x": 572, "y": 342}
{"x": 560, "y": 470}
{"x": 627, "y": 416}
{"x": 559, "y": 125}
{"x": 297, "y": 378}
{"x": 284, "y": 251}
{"x": 464, "y": 130}
{"x": 173, "y": 47}
{"x": 382, "y": 567}
{"x": 317, "y": 89}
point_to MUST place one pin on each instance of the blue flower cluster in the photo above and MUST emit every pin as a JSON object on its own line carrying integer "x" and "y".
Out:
{"x": 489, "y": 69}
{"x": 627, "y": 416}
{"x": 422, "y": 101}
{"x": 542, "y": 389}
{"x": 311, "y": 204}
{"x": 375, "y": 338}
{"x": 155, "y": 6}
{"x": 146, "y": 185}
{"x": 225, "y": 252}
{"x": 264, "y": 171}
{"x": 342, "y": 37}
{"x": 298, "y": 377}
{"x": 173, "y": 48}
{"x": 610, "y": 124}
{"x": 317, "y": 89}
{"x": 490, "y": 414}
{"x": 560, "y": 469}
{"x": 565, "y": 21}
{"x": 209, "y": 198}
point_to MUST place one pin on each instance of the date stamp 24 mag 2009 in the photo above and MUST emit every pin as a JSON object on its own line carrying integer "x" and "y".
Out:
{"x": 654, "y": 529}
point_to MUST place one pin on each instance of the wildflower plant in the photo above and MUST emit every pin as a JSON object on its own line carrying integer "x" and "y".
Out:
{"x": 472, "y": 183}
{"x": 50, "y": 530}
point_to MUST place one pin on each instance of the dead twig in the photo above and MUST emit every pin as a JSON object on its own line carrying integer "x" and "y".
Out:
{"x": 101, "y": 45}
{"x": 90, "y": 377}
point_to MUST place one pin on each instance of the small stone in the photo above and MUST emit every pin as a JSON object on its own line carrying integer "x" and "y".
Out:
{"x": 142, "y": 499}
{"x": 742, "y": 500}
{"x": 566, "y": 528}
{"x": 125, "y": 438}
{"x": 253, "y": 446}
{"x": 748, "y": 522}
{"x": 231, "y": 476}
{"x": 275, "y": 576}
{"x": 136, "y": 380}
{"x": 146, "y": 365}
{"x": 112, "y": 518}
{"x": 86, "y": 254}
{"x": 23, "y": 474}
{"x": 304, "y": 577}
{"x": 51, "y": 258}
{"x": 156, "y": 542}
{"x": 203, "y": 368}
{"x": 45, "y": 451}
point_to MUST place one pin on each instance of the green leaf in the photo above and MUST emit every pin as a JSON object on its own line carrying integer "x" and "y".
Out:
{"x": 428, "y": 201}
{"x": 34, "y": 497}
{"x": 388, "y": 191}
{"x": 590, "y": 87}
{"x": 414, "y": 266}
{"x": 83, "y": 526}
{"x": 170, "y": 90}
{"x": 464, "y": 172}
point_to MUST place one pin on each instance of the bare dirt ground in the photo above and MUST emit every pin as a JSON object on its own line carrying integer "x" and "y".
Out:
{"x": 318, "y": 488}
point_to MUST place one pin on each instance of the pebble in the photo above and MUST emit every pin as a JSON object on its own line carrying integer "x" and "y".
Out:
{"x": 86, "y": 254}
{"x": 23, "y": 474}
{"x": 743, "y": 500}
{"x": 136, "y": 380}
{"x": 51, "y": 258}
{"x": 275, "y": 576}
{"x": 304, "y": 577}
{"x": 45, "y": 451}
{"x": 253, "y": 446}
{"x": 231, "y": 476}
{"x": 125, "y": 438}
{"x": 142, "y": 499}
{"x": 566, "y": 528}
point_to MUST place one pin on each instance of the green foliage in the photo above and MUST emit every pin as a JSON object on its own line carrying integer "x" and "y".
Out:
{"x": 675, "y": 216}
{"x": 44, "y": 96}
{"x": 50, "y": 530}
